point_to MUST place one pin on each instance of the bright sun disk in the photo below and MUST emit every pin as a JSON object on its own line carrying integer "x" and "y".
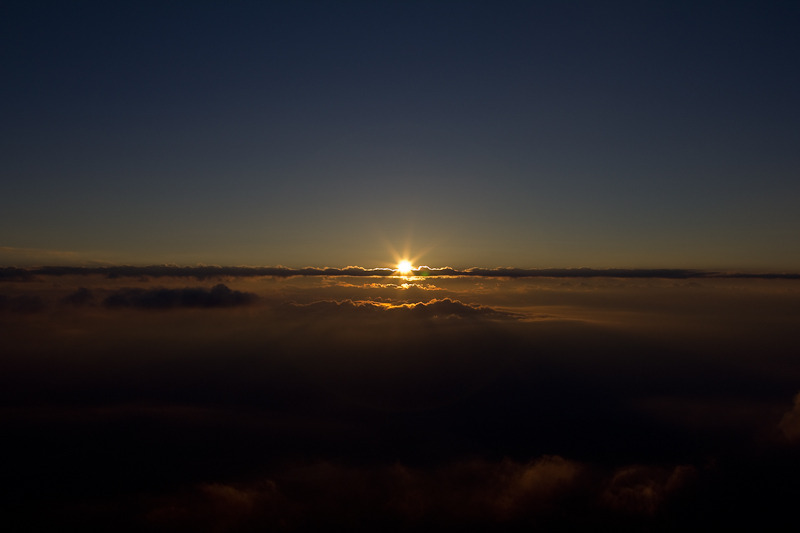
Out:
{"x": 404, "y": 267}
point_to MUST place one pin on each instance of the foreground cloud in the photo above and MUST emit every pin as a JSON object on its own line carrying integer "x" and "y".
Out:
{"x": 464, "y": 494}
{"x": 326, "y": 493}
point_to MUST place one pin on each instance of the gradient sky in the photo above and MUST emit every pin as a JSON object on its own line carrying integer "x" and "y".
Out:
{"x": 525, "y": 134}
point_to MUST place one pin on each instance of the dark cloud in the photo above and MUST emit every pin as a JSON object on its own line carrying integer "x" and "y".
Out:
{"x": 80, "y": 297}
{"x": 206, "y": 272}
{"x": 638, "y": 406}
{"x": 24, "y": 303}
{"x": 465, "y": 494}
{"x": 790, "y": 423}
{"x": 16, "y": 274}
{"x": 221, "y": 507}
{"x": 549, "y": 492}
{"x": 217, "y": 296}
{"x": 643, "y": 490}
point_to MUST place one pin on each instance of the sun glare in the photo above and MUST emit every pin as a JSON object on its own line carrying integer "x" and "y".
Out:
{"x": 404, "y": 267}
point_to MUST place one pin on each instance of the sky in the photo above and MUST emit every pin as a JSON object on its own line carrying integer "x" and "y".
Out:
{"x": 463, "y": 134}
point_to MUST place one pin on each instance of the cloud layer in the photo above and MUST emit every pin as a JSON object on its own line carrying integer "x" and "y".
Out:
{"x": 440, "y": 309}
{"x": 299, "y": 403}
{"x": 206, "y": 272}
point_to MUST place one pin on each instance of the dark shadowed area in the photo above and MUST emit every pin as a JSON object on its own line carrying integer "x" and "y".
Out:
{"x": 293, "y": 404}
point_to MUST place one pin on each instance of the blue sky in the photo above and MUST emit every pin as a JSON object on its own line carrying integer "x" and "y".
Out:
{"x": 526, "y": 134}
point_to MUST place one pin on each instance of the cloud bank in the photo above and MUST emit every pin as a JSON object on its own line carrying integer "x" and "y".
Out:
{"x": 299, "y": 403}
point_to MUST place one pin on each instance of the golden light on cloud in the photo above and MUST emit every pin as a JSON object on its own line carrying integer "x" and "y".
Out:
{"x": 404, "y": 267}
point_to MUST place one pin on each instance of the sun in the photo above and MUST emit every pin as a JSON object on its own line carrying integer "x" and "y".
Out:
{"x": 404, "y": 267}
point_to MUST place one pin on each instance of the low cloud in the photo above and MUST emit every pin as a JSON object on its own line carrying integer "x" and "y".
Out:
{"x": 439, "y": 309}
{"x": 406, "y": 286}
{"x": 220, "y": 507}
{"x": 328, "y": 494}
{"x": 23, "y": 304}
{"x": 16, "y": 274}
{"x": 463, "y": 494}
{"x": 790, "y": 423}
{"x": 643, "y": 490}
{"x": 79, "y": 298}
{"x": 217, "y": 296}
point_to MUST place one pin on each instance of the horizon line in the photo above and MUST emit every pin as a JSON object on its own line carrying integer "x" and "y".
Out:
{"x": 13, "y": 273}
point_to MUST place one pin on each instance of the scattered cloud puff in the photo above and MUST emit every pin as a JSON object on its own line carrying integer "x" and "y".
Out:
{"x": 217, "y": 296}
{"x": 642, "y": 490}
